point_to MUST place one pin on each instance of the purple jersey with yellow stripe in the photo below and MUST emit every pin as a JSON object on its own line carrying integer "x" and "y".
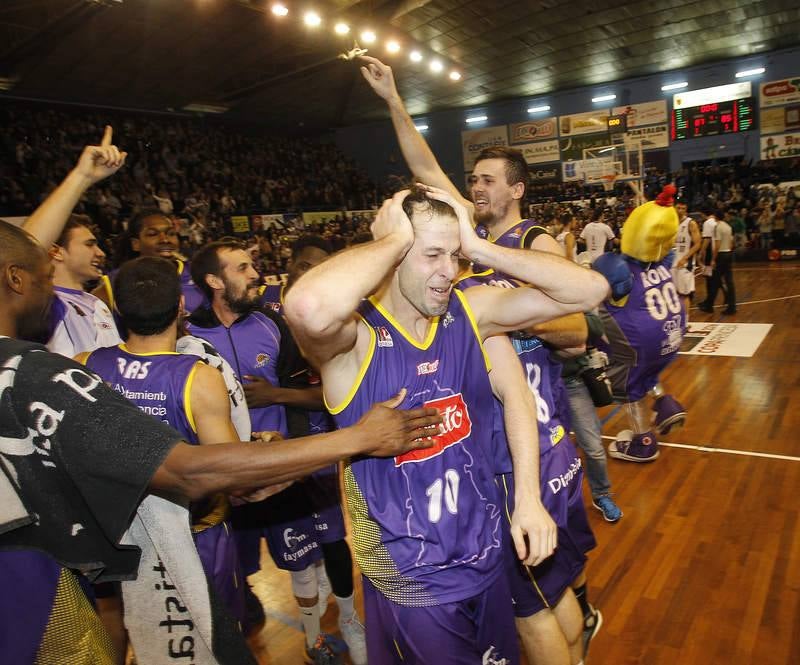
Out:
{"x": 426, "y": 524}
{"x": 158, "y": 383}
{"x": 271, "y": 295}
{"x": 645, "y": 332}
{"x": 541, "y": 371}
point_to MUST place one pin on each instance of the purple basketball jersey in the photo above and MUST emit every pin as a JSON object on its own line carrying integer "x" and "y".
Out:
{"x": 426, "y": 525}
{"x": 158, "y": 383}
{"x": 272, "y": 297}
{"x": 645, "y": 333}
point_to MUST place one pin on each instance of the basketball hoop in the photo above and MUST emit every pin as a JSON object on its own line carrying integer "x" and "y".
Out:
{"x": 608, "y": 181}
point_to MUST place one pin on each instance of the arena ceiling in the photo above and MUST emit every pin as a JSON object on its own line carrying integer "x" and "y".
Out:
{"x": 165, "y": 54}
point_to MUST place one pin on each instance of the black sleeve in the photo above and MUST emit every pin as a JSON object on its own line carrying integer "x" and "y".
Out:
{"x": 531, "y": 234}
{"x": 104, "y": 445}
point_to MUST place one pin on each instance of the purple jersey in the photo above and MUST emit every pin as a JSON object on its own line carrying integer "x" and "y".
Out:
{"x": 426, "y": 524}
{"x": 251, "y": 346}
{"x": 645, "y": 333}
{"x": 158, "y": 383}
{"x": 272, "y": 297}
{"x": 541, "y": 371}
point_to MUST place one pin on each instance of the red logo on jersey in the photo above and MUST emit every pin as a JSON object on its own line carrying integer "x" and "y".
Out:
{"x": 456, "y": 426}
{"x": 384, "y": 337}
{"x": 427, "y": 368}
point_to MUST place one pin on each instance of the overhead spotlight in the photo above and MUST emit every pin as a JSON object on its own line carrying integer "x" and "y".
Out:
{"x": 750, "y": 72}
{"x": 674, "y": 86}
{"x": 603, "y": 98}
{"x": 368, "y": 36}
{"x": 280, "y": 10}
{"x": 393, "y": 46}
{"x": 421, "y": 128}
{"x": 476, "y": 118}
{"x": 415, "y": 56}
{"x": 538, "y": 109}
{"x": 436, "y": 66}
{"x": 341, "y": 28}
{"x": 312, "y": 19}
{"x": 455, "y": 76}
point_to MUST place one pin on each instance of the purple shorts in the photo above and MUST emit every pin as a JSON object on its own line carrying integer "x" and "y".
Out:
{"x": 323, "y": 490}
{"x": 540, "y": 587}
{"x": 220, "y": 558}
{"x": 475, "y": 630}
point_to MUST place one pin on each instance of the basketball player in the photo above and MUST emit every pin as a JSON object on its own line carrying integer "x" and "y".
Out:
{"x": 687, "y": 244}
{"x": 566, "y": 237}
{"x": 89, "y": 456}
{"x": 597, "y": 234}
{"x": 497, "y": 186}
{"x": 706, "y": 253}
{"x": 252, "y": 341}
{"x": 427, "y": 532}
{"x": 178, "y": 389}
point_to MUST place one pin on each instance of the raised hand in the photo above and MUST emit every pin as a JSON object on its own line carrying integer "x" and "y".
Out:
{"x": 380, "y": 77}
{"x": 100, "y": 161}
{"x": 392, "y": 220}
{"x": 390, "y": 431}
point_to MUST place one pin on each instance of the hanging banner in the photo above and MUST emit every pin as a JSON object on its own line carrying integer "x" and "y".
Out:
{"x": 782, "y": 146}
{"x": 264, "y": 222}
{"x": 572, "y": 148}
{"x": 647, "y": 113}
{"x": 475, "y": 140}
{"x": 651, "y": 138}
{"x": 240, "y": 224}
{"x": 780, "y": 119}
{"x": 572, "y": 171}
{"x": 776, "y": 93}
{"x": 540, "y": 152}
{"x": 545, "y": 175}
{"x": 314, "y": 218}
{"x": 583, "y": 123}
{"x": 533, "y": 130}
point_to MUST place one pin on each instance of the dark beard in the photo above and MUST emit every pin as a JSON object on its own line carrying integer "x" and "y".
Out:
{"x": 241, "y": 305}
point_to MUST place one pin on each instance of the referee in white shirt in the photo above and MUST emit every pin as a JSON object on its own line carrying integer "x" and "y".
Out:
{"x": 722, "y": 268}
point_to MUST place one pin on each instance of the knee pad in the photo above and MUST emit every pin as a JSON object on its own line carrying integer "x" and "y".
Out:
{"x": 304, "y": 582}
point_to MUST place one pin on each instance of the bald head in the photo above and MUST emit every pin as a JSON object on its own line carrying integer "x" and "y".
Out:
{"x": 26, "y": 281}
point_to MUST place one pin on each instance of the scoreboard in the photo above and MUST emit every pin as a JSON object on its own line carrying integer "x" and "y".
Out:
{"x": 723, "y": 117}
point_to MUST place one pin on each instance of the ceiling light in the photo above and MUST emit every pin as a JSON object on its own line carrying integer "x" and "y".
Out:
{"x": 421, "y": 128}
{"x": 341, "y": 28}
{"x": 674, "y": 86}
{"x": 415, "y": 56}
{"x": 279, "y": 9}
{"x": 392, "y": 46}
{"x": 436, "y": 66}
{"x": 603, "y": 98}
{"x": 750, "y": 72}
{"x": 538, "y": 109}
{"x": 455, "y": 76}
{"x": 368, "y": 36}
{"x": 477, "y": 118}
{"x": 312, "y": 19}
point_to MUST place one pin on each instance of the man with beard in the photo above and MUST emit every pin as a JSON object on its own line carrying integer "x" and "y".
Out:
{"x": 78, "y": 458}
{"x": 251, "y": 338}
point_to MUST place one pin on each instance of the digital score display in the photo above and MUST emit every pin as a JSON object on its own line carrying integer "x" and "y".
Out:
{"x": 737, "y": 115}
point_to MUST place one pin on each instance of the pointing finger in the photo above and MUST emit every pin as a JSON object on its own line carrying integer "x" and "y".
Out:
{"x": 107, "y": 136}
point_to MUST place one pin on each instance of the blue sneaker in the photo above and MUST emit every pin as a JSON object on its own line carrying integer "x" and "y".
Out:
{"x": 605, "y": 504}
{"x": 327, "y": 650}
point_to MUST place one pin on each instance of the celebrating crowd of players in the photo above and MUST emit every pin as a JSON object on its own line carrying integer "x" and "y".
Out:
{"x": 429, "y": 359}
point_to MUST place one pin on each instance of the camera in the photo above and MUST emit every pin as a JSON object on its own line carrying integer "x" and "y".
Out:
{"x": 595, "y": 378}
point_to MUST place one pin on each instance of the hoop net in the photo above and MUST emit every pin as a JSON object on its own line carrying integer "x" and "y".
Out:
{"x": 608, "y": 181}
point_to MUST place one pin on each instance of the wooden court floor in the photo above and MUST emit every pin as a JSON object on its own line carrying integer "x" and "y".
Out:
{"x": 704, "y": 567}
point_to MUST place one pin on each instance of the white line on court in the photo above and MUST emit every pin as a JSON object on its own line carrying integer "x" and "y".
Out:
{"x": 729, "y": 451}
{"x": 756, "y": 302}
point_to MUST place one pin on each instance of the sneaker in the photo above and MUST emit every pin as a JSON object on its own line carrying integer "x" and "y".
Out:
{"x": 356, "y": 639}
{"x": 327, "y": 650}
{"x": 669, "y": 413}
{"x": 640, "y": 448}
{"x": 729, "y": 311}
{"x": 605, "y": 504}
{"x": 704, "y": 307}
{"x": 591, "y": 626}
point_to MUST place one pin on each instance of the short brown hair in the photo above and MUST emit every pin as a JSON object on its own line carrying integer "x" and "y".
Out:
{"x": 74, "y": 222}
{"x": 206, "y": 262}
{"x": 418, "y": 201}
{"x": 516, "y": 166}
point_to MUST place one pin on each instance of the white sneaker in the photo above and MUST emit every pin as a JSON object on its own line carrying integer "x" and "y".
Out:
{"x": 353, "y": 633}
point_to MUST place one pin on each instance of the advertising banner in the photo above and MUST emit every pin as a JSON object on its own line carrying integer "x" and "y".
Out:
{"x": 572, "y": 148}
{"x": 240, "y": 224}
{"x": 583, "y": 123}
{"x": 314, "y": 218}
{"x": 533, "y": 130}
{"x": 545, "y": 175}
{"x": 540, "y": 152}
{"x": 647, "y": 113}
{"x": 475, "y": 140}
{"x": 651, "y": 138}
{"x": 784, "y": 91}
{"x": 780, "y": 119}
{"x": 780, "y": 146}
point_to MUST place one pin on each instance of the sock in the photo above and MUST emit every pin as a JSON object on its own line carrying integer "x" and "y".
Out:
{"x": 580, "y": 594}
{"x": 346, "y": 609}
{"x": 310, "y": 618}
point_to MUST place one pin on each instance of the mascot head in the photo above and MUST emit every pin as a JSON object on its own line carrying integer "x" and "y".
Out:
{"x": 649, "y": 232}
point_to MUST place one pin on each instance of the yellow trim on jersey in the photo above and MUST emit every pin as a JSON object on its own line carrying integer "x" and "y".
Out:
{"x": 474, "y": 324}
{"x": 425, "y": 345}
{"x": 525, "y": 235}
{"x": 82, "y": 357}
{"x": 180, "y": 265}
{"x": 399, "y": 653}
{"x": 125, "y": 348}
{"x": 106, "y": 281}
{"x": 261, "y": 289}
{"x": 469, "y": 273}
{"x": 359, "y": 377}
{"x": 187, "y": 397}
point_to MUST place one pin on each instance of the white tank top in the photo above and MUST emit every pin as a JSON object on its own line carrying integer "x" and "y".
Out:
{"x": 562, "y": 240}
{"x": 683, "y": 241}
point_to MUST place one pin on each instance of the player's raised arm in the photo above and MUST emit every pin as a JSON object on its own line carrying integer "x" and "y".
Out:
{"x": 95, "y": 163}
